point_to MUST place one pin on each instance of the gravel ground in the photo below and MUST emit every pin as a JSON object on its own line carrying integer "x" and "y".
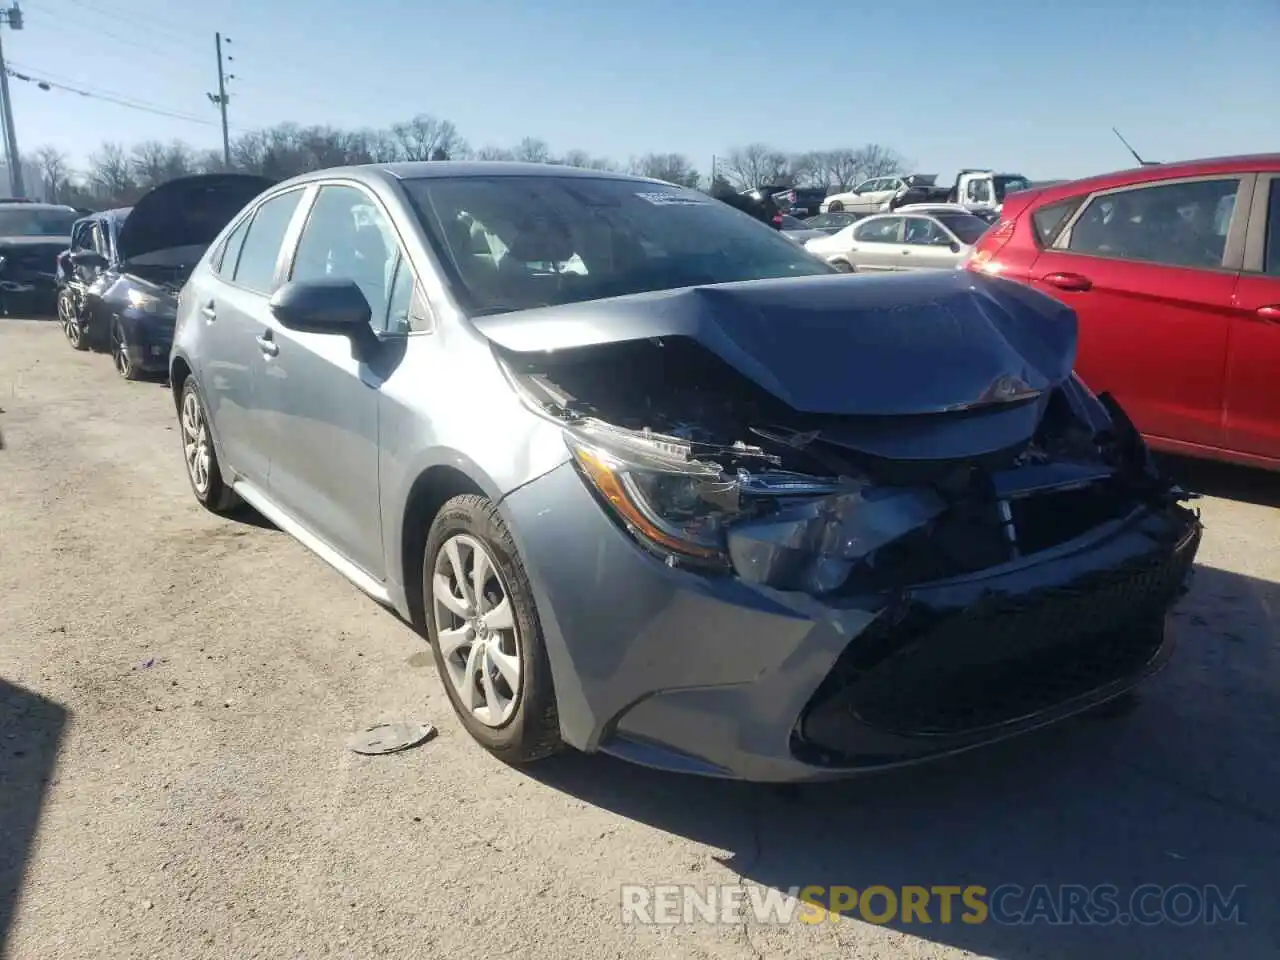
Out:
{"x": 176, "y": 691}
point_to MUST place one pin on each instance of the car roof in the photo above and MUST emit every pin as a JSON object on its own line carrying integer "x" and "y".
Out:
{"x": 430, "y": 169}
{"x": 1132, "y": 176}
{"x": 28, "y": 205}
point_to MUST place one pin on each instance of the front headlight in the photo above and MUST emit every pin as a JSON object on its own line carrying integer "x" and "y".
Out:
{"x": 676, "y": 505}
{"x": 144, "y": 301}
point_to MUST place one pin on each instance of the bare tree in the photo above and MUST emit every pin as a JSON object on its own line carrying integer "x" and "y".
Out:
{"x": 671, "y": 167}
{"x": 111, "y": 174}
{"x": 755, "y": 165}
{"x": 55, "y": 171}
{"x": 807, "y": 169}
{"x": 494, "y": 153}
{"x": 532, "y": 150}
{"x": 420, "y": 137}
{"x": 874, "y": 160}
{"x": 206, "y": 161}
{"x": 148, "y": 164}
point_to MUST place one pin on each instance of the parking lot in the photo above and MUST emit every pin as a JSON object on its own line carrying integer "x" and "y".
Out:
{"x": 176, "y": 692}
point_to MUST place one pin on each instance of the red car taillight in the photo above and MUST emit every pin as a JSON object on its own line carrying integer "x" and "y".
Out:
{"x": 990, "y": 244}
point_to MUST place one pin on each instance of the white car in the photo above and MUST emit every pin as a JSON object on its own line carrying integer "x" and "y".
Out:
{"x": 870, "y": 196}
{"x": 901, "y": 241}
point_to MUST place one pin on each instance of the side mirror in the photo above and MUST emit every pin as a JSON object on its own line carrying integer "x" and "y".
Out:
{"x": 89, "y": 259}
{"x": 955, "y": 247}
{"x": 322, "y": 306}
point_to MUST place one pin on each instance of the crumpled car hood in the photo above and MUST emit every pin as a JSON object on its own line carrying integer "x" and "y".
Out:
{"x": 896, "y": 345}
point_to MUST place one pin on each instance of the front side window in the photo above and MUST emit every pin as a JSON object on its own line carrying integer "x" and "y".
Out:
{"x": 1175, "y": 224}
{"x": 260, "y": 250}
{"x": 967, "y": 228}
{"x": 883, "y": 230}
{"x": 867, "y": 186}
{"x": 979, "y": 191}
{"x": 518, "y": 242}
{"x": 348, "y": 237}
{"x": 921, "y": 232}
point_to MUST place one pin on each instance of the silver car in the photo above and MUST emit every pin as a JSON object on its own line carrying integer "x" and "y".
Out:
{"x": 654, "y": 481}
{"x": 894, "y": 241}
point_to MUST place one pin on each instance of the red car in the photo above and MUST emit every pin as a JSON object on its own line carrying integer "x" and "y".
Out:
{"x": 1174, "y": 271}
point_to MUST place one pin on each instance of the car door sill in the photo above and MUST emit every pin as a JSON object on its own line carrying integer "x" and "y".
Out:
{"x": 254, "y": 497}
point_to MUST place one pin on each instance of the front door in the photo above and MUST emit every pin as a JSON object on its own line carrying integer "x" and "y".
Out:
{"x": 927, "y": 246}
{"x": 1146, "y": 269}
{"x": 1253, "y": 368}
{"x": 324, "y": 464}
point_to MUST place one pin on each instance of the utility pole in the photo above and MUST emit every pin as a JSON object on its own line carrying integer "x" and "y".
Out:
{"x": 13, "y": 17}
{"x": 220, "y": 98}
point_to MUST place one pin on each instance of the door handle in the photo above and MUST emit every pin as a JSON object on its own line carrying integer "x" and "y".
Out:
{"x": 1068, "y": 281}
{"x": 268, "y": 345}
{"x": 906, "y": 252}
{"x": 210, "y": 314}
{"x": 1270, "y": 312}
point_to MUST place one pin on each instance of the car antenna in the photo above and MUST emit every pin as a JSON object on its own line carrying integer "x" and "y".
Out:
{"x": 1141, "y": 162}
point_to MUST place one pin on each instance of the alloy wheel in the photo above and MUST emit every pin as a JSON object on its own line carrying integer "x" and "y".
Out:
{"x": 476, "y": 630}
{"x": 120, "y": 354}
{"x": 70, "y": 324}
{"x": 195, "y": 442}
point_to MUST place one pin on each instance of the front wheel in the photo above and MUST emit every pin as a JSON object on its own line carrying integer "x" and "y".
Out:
{"x": 120, "y": 354}
{"x": 843, "y": 266}
{"x": 70, "y": 320}
{"x": 485, "y": 634}
{"x": 836, "y": 207}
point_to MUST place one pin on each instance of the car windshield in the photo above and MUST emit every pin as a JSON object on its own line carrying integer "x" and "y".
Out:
{"x": 965, "y": 226}
{"x": 17, "y": 221}
{"x": 519, "y": 242}
{"x": 1006, "y": 185}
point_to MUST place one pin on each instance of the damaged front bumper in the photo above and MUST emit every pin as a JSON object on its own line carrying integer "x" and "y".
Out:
{"x": 751, "y": 675}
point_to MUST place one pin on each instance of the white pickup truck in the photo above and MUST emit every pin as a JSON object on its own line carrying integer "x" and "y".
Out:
{"x": 974, "y": 189}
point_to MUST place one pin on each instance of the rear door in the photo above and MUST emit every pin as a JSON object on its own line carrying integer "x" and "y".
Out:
{"x": 1151, "y": 271}
{"x": 232, "y": 302}
{"x": 1253, "y": 367}
{"x": 877, "y": 245}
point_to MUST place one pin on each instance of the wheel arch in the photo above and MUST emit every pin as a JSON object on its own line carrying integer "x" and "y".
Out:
{"x": 434, "y": 486}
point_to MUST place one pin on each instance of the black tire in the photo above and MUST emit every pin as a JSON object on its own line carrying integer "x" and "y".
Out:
{"x": 844, "y": 266}
{"x": 120, "y": 354}
{"x": 70, "y": 319}
{"x": 217, "y": 496}
{"x": 836, "y": 207}
{"x": 533, "y": 730}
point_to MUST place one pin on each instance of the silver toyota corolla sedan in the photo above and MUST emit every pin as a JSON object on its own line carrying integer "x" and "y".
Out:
{"x": 656, "y": 482}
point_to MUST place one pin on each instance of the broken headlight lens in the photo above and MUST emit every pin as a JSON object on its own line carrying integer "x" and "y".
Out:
{"x": 674, "y": 503}
{"x": 677, "y": 506}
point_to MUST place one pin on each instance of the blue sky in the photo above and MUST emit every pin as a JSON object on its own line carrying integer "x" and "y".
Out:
{"x": 1026, "y": 86}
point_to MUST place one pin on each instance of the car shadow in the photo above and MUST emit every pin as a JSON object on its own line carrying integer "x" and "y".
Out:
{"x": 1184, "y": 790}
{"x": 31, "y": 729}
{"x": 1225, "y": 480}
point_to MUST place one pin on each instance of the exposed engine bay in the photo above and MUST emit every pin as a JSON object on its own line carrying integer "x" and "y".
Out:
{"x": 827, "y": 503}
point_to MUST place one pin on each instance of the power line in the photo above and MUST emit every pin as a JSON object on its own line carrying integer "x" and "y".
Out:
{"x": 20, "y": 72}
{"x": 151, "y": 49}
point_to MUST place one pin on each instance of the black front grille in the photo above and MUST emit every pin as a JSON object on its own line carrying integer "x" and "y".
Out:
{"x": 924, "y": 673}
{"x": 29, "y": 259}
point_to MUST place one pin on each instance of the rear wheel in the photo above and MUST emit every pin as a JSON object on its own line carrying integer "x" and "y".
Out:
{"x": 70, "y": 320}
{"x": 485, "y": 633}
{"x": 201, "y": 459}
{"x": 844, "y": 266}
{"x": 836, "y": 207}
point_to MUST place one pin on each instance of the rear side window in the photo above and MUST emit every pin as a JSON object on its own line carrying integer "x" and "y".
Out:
{"x": 1049, "y": 220}
{"x": 260, "y": 250}
{"x": 1175, "y": 224}
{"x": 225, "y": 262}
{"x": 1271, "y": 254}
